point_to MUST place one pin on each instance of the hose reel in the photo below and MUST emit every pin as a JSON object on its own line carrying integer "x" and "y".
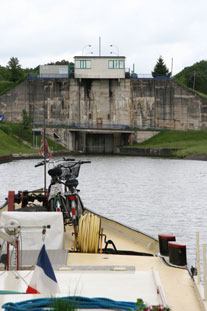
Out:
{"x": 89, "y": 233}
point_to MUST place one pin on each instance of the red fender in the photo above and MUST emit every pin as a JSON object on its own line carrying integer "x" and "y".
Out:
{"x": 11, "y": 200}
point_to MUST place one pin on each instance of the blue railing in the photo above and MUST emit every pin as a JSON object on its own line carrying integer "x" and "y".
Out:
{"x": 86, "y": 125}
{"x": 52, "y": 76}
{"x": 149, "y": 76}
{"x": 100, "y": 126}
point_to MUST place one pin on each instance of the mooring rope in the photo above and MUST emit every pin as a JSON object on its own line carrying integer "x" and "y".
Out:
{"x": 88, "y": 233}
{"x": 76, "y": 302}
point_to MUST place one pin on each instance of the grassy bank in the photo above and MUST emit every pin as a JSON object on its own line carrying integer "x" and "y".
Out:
{"x": 189, "y": 142}
{"x": 10, "y": 145}
{"x": 5, "y": 86}
{"x": 14, "y": 138}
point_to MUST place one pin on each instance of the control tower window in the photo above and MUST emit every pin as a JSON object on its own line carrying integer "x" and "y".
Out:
{"x": 83, "y": 64}
{"x": 116, "y": 64}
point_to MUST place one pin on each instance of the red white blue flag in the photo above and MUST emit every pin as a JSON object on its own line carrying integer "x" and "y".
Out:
{"x": 44, "y": 148}
{"x": 43, "y": 280}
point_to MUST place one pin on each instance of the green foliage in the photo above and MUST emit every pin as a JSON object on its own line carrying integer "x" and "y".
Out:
{"x": 189, "y": 142}
{"x": 26, "y": 119}
{"x": 20, "y": 140}
{"x": 10, "y": 145}
{"x": 143, "y": 307}
{"x": 62, "y": 62}
{"x": 16, "y": 72}
{"x": 160, "y": 68}
{"x": 175, "y": 139}
{"x": 5, "y": 128}
{"x": 6, "y": 86}
{"x": 4, "y": 74}
{"x": 194, "y": 77}
{"x": 13, "y": 73}
{"x": 60, "y": 305}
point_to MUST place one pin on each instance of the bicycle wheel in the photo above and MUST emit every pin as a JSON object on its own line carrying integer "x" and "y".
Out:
{"x": 68, "y": 209}
{"x": 72, "y": 209}
{"x": 80, "y": 207}
{"x": 61, "y": 202}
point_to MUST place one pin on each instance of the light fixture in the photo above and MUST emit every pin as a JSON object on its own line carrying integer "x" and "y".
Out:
{"x": 86, "y": 46}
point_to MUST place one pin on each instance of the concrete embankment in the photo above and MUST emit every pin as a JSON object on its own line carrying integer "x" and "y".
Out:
{"x": 157, "y": 152}
{"x": 24, "y": 156}
{"x": 19, "y": 156}
{"x": 4, "y": 159}
{"x": 144, "y": 152}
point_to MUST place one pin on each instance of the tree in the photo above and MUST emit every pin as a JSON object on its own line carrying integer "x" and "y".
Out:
{"x": 26, "y": 119}
{"x": 197, "y": 81}
{"x": 62, "y": 62}
{"x": 160, "y": 68}
{"x": 4, "y": 73}
{"x": 16, "y": 72}
{"x": 194, "y": 77}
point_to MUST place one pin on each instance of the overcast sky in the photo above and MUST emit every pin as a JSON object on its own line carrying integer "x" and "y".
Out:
{"x": 42, "y": 31}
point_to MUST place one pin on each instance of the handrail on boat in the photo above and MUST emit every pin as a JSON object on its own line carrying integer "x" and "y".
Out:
{"x": 159, "y": 288}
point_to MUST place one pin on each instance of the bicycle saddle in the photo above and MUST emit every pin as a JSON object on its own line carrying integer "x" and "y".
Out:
{"x": 71, "y": 182}
{"x": 56, "y": 171}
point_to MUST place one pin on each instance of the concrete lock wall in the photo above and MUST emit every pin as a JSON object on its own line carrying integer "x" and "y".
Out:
{"x": 105, "y": 103}
{"x": 163, "y": 103}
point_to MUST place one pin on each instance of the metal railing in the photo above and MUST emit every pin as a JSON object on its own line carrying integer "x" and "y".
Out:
{"x": 127, "y": 74}
{"x": 86, "y": 125}
{"x": 49, "y": 76}
{"x": 100, "y": 126}
{"x": 149, "y": 76}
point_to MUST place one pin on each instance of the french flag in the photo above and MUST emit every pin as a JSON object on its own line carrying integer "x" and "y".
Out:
{"x": 43, "y": 280}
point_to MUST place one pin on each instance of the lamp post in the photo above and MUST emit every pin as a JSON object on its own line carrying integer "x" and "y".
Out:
{"x": 112, "y": 45}
{"x": 86, "y": 46}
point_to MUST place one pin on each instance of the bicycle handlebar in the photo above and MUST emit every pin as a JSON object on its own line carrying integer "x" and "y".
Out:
{"x": 74, "y": 164}
{"x": 83, "y": 162}
{"x": 41, "y": 163}
{"x": 68, "y": 159}
{"x": 53, "y": 161}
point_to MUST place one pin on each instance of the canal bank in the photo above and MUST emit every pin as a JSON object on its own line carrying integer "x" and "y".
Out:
{"x": 148, "y": 152}
{"x": 125, "y": 151}
{"x": 160, "y": 152}
{"x": 28, "y": 156}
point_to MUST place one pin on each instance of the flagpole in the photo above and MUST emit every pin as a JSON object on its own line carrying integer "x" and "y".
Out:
{"x": 44, "y": 142}
{"x": 45, "y": 162}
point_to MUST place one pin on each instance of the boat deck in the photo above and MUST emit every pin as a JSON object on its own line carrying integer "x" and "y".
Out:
{"x": 115, "y": 276}
{"x": 177, "y": 285}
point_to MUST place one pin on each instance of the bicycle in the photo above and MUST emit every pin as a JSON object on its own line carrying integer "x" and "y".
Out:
{"x": 74, "y": 204}
{"x": 65, "y": 199}
{"x": 55, "y": 196}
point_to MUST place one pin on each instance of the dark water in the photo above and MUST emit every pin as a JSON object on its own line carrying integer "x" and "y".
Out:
{"x": 148, "y": 194}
